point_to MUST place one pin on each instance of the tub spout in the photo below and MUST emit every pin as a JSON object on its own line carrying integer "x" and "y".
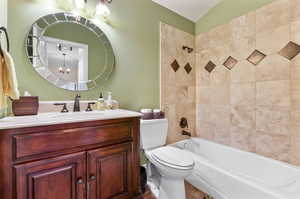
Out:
{"x": 186, "y": 133}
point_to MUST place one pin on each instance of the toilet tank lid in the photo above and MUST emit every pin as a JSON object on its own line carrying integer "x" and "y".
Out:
{"x": 154, "y": 121}
{"x": 174, "y": 156}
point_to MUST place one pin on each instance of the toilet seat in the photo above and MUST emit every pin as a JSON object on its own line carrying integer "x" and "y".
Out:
{"x": 173, "y": 157}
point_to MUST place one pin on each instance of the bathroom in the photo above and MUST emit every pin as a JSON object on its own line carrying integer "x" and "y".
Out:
{"x": 223, "y": 75}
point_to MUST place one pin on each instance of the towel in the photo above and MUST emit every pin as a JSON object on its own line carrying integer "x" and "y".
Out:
{"x": 8, "y": 80}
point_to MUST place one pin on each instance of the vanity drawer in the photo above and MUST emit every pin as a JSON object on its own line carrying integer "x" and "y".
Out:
{"x": 46, "y": 142}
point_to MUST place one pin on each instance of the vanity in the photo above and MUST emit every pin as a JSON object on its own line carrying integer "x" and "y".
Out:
{"x": 85, "y": 155}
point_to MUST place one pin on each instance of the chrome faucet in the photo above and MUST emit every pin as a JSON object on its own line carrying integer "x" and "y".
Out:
{"x": 76, "y": 107}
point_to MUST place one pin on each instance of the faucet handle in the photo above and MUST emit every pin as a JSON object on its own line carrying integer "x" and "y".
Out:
{"x": 89, "y": 107}
{"x": 183, "y": 123}
{"x": 65, "y": 109}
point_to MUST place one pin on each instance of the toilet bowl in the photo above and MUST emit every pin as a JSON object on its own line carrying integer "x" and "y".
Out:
{"x": 173, "y": 164}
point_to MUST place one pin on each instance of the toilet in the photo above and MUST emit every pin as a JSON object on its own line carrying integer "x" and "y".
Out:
{"x": 173, "y": 164}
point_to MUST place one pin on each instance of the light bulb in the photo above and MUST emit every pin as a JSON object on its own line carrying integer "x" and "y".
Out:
{"x": 68, "y": 70}
{"x": 102, "y": 10}
{"x": 80, "y": 4}
{"x": 61, "y": 70}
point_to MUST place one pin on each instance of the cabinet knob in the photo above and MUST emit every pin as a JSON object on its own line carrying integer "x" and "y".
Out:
{"x": 80, "y": 181}
{"x": 92, "y": 177}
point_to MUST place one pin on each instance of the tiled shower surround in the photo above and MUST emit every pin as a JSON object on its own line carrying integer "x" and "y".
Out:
{"x": 247, "y": 81}
{"x": 255, "y": 106}
{"x": 247, "y": 78}
{"x": 178, "y": 82}
{"x": 178, "y": 69}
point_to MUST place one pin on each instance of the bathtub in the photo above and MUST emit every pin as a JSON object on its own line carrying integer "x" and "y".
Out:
{"x": 227, "y": 173}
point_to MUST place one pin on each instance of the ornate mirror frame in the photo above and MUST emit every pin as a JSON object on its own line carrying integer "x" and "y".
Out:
{"x": 34, "y": 37}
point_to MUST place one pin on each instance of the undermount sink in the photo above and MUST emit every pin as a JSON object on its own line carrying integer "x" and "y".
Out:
{"x": 72, "y": 115}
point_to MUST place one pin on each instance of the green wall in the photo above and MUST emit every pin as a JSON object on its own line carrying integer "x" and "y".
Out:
{"x": 133, "y": 30}
{"x": 2, "y": 113}
{"x": 225, "y": 11}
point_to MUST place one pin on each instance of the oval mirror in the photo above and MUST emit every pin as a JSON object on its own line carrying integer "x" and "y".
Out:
{"x": 70, "y": 51}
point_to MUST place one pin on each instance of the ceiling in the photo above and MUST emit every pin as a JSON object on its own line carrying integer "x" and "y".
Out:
{"x": 190, "y": 9}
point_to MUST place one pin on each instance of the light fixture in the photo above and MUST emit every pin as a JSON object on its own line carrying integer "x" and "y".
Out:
{"x": 80, "y": 4}
{"x": 61, "y": 47}
{"x": 102, "y": 9}
{"x": 61, "y": 70}
{"x": 68, "y": 70}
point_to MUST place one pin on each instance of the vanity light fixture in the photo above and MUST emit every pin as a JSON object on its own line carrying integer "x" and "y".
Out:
{"x": 80, "y": 4}
{"x": 102, "y": 9}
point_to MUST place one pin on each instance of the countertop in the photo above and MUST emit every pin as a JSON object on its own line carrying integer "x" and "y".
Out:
{"x": 44, "y": 119}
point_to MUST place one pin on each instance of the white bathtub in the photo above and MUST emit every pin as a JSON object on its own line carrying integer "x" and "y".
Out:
{"x": 227, "y": 173}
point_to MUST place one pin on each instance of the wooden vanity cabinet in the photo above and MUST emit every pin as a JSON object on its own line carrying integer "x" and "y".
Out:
{"x": 110, "y": 172}
{"x": 87, "y": 160}
{"x": 62, "y": 177}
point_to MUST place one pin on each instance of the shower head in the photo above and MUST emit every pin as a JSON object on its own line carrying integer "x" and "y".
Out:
{"x": 189, "y": 50}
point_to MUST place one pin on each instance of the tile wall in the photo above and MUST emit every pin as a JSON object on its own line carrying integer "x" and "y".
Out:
{"x": 254, "y": 104}
{"x": 244, "y": 86}
{"x": 177, "y": 80}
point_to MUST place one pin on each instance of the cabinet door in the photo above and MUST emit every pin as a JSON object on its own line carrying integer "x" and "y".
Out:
{"x": 58, "y": 178}
{"x": 110, "y": 172}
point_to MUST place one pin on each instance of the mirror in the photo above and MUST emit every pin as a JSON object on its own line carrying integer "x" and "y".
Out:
{"x": 70, "y": 51}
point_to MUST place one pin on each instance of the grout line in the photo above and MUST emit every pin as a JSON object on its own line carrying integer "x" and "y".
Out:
{"x": 253, "y": 134}
{"x": 290, "y": 86}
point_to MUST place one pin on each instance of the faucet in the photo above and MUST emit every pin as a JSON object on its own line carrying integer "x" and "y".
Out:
{"x": 76, "y": 107}
{"x": 184, "y": 124}
{"x": 186, "y": 133}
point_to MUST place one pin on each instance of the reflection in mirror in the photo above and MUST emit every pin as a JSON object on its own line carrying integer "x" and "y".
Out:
{"x": 70, "y": 51}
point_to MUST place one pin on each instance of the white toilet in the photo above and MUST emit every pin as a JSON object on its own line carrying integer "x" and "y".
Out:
{"x": 173, "y": 164}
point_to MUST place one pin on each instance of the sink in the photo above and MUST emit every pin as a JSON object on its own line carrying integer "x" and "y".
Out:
{"x": 75, "y": 115}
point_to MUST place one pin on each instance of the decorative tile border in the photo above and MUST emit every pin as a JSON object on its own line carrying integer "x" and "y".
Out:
{"x": 188, "y": 68}
{"x": 175, "y": 65}
{"x": 230, "y": 62}
{"x": 290, "y": 51}
{"x": 256, "y": 57}
{"x": 210, "y": 66}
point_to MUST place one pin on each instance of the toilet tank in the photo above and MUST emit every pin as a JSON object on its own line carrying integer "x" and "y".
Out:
{"x": 153, "y": 133}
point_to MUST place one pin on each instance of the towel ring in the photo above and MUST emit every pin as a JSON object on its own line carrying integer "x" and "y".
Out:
{"x": 3, "y": 29}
